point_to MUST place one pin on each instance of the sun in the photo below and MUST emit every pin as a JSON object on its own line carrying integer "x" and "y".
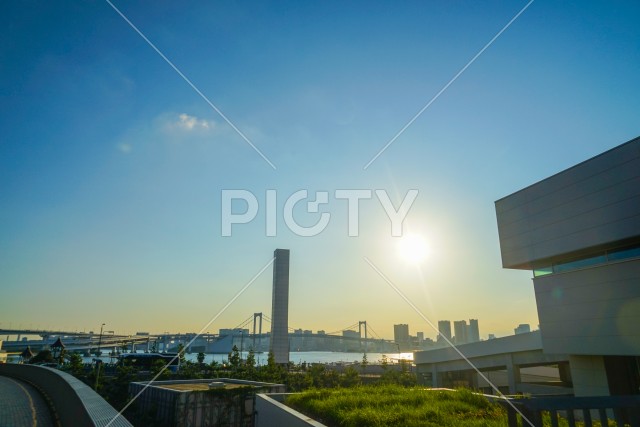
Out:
{"x": 413, "y": 248}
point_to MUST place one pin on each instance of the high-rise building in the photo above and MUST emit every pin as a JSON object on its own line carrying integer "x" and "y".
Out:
{"x": 522, "y": 328}
{"x": 279, "y": 344}
{"x": 401, "y": 333}
{"x": 420, "y": 336}
{"x": 444, "y": 327}
{"x": 473, "y": 331}
{"x": 460, "y": 331}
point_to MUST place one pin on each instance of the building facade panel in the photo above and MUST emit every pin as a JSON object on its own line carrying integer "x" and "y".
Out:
{"x": 591, "y": 311}
{"x": 565, "y": 197}
{"x": 591, "y": 204}
{"x": 596, "y": 226}
{"x": 615, "y": 158}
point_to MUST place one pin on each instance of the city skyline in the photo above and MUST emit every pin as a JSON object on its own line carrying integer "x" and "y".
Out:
{"x": 112, "y": 167}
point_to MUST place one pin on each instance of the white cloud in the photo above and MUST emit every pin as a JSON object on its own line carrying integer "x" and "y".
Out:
{"x": 191, "y": 123}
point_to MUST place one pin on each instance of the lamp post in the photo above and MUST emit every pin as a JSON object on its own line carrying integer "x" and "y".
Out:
{"x": 98, "y": 352}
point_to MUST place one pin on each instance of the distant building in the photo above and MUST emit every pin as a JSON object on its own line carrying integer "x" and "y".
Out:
{"x": 420, "y": 336}
{"x": 522, "y": 328}
{"x": 351, "y": 334}
{"x": 279, "y": 343}
{"x": 401, "y": 333}
{"x": 491, "y": 337}
{"x": 233, "y": 332}
{"x": 473, "y": 331}
{"x": 460, "y": 331}
{"x": 579, "y": 231}
{"x": 444, "y": 329}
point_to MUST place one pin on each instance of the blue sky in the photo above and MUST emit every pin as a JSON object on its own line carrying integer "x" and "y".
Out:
{"x": 112, "y": 167}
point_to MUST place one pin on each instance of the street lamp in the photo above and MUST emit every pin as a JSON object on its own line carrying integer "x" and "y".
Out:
{"x": 98, "y": 352}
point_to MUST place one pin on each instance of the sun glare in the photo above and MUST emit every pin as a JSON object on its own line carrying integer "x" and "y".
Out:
{"x": 413, "y": 248}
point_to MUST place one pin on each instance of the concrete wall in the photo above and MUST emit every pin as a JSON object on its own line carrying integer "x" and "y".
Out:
{"x": 591, "y": 204}
{"x": 591, "y": 311}
{"x": 589, "y": 375}
{"x": 271, "y": 412}
{"x": 74, "y": 403}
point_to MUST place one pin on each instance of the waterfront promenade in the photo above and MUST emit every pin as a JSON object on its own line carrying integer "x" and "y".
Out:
{"x": 22, "y": 405}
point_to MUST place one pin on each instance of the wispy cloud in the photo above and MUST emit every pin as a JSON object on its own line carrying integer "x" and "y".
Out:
{"x": 184, "y": 124}
{"x": 192, "y": 123}
{"x": 124, "y": 148}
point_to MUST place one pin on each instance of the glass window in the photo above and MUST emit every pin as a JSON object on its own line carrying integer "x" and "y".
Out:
{"x": 579, "y": 263}
{"x": 624, "y": 254}
{"x": 543, "y": 271}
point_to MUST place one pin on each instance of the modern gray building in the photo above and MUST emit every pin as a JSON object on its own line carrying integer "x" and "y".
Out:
{"x": 579, "y": 232}
{"x": 460, "y": 331}
{"x": 401, "y": 333}
{"x": 444, "y": 329}
{"x": 473, "y": 331}
{"x": 279, "y": 343}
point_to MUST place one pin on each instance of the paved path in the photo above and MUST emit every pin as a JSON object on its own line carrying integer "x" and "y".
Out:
{"x": 22, "y": 405}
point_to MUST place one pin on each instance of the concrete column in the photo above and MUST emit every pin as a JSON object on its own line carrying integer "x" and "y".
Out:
{"x": 589, "y": 375}
{"x": 565, "y": 374}
{"x": 513, "y": 374}
{"x": 434, "y": 376}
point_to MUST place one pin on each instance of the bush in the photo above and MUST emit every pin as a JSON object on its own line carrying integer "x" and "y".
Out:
{"x": 383, "y": 405}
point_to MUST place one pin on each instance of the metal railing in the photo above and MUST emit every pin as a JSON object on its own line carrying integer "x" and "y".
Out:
{"x": 622, "y": 410}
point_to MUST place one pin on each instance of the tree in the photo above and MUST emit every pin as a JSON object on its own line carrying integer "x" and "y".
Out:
{"x": 272, "y": 372}
{"x": 181, "y": 353}
{"x": 385, "y": 362}
{"x": 201, "y": 358}
{"x": 350, "y": 378}
{"x": 43, "y": 356}
{"x": 250, "y": 366}
{"x": 364, "y": 362}
{"x": 234, "y": 358}
{"x": 75, "y": 365}
{"x": 251, "y": 359}
{"x": 214, "y": 368}
{"x": 331, "y": 378}
{"x": 158, "y": 367}
{"x": 63, "y": 353}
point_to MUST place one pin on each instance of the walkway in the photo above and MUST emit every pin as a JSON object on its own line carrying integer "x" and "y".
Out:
{"x": 22, "y": 405}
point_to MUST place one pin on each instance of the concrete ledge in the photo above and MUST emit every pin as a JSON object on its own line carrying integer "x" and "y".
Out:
{"x": 73, "y": 402}
{"x": 271, "y": 412}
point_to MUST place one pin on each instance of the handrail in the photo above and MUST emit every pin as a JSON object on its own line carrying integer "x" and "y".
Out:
{"x": 625, "y": 409}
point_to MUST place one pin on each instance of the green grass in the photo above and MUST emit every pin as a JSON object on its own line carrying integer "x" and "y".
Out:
{"x": 397, "y": 406}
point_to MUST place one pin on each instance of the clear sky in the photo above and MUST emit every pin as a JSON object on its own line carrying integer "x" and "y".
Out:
{"x": 112, "y": 166}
